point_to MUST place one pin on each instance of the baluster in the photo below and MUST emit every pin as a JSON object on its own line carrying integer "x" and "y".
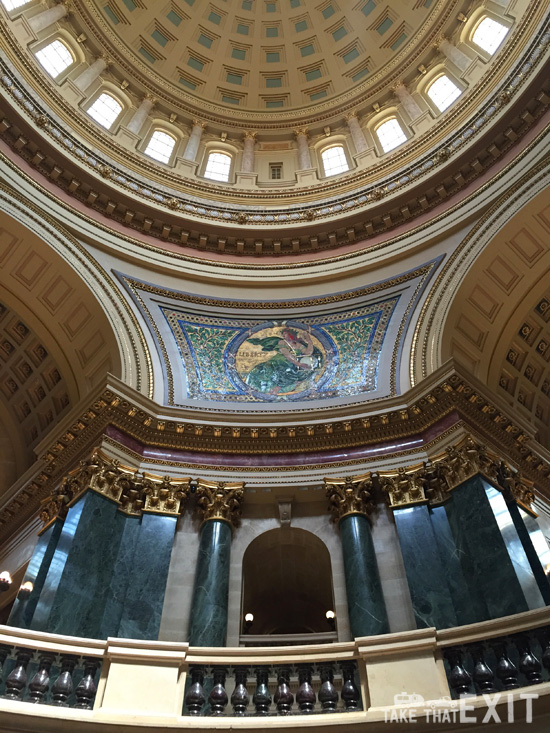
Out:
{"x": 459, "y": 679}
{"x": 262, "y": 698}
{"x": 545, "y": 644}
{"x": 350, "y": 694}
{"x": 283, "y": 697}
{"x": 218, "y": 696}
{"x": 328, "y": 696}
{"x": 483, "y": 674}
{"x": 63, "y": 686}
{"x": 240, "y": 697}
{"x": 305, "y": 697}
{"x": 40, "y": 683}
{"x": 505, "y": 670}
{"x": 17, "y": 678}
{"x": 86, "y": 688}
{"x": 4, "y": 653}
{"x": 529, "y": 665}
{"x": 195, "y": 699}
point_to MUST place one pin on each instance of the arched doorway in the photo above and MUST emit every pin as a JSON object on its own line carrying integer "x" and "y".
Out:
{"x": 287, "y": 586}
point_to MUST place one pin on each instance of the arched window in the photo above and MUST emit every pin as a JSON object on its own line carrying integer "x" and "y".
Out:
{"x": 489, "y": 35}
{"x": 390, "y": 135}
{"x": 105, "y": 110}
{"x": 160, "y": 146}
{"x": 13, "y": 4}
{"x": 55, "y": 58}
{"x": 443, "y": 92}
{"x": 334, "y": 160}
{"x": 218, "y": 167}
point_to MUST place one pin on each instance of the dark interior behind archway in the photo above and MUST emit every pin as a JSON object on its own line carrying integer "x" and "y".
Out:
{"x": 287, "y": 583}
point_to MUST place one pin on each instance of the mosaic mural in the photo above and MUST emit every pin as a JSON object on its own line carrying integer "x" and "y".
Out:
{"x": 317, "y": 357}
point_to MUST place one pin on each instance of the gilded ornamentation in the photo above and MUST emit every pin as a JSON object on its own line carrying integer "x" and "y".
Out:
{"x": 220, "y": 500}
{"x": 133, "y": 491}
{"x": 469, "y": 458}
{"x": 349, "y": 495}
{"x": 403, "y": 488}
{"x": 515, "y": 487}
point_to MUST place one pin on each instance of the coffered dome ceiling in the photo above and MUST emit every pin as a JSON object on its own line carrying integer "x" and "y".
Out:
{"x": 219, "y": 58}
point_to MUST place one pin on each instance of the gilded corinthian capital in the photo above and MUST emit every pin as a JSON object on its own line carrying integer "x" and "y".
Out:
{"x": 220, "y": 500}
{"x": 349, "y": 495}
{"x": 403, "y": 488}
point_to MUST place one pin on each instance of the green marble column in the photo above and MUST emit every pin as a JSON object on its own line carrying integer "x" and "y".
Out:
{"x": 147, "y": 577}
{"x": 37, "y": 571}
{"x": 488, "y": 568}
{"x": 468, "y": 609}
{"x": 366, "y": 608}
{"x": 80, "y": 598}
{"x": 525, "y": 524}
{"x": 211, "y": 592}
{"x": 426, "y": 574}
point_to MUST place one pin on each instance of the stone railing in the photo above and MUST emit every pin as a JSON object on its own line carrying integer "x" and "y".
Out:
{"x": 493, "y": 667}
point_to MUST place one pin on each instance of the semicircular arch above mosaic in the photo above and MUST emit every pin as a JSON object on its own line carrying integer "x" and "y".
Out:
{"x": 236, "y": 354}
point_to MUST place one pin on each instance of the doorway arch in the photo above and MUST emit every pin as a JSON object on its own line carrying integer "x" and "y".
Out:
{"x": 287, "y": 583}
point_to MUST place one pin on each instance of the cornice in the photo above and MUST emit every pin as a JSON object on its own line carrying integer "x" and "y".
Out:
{"x": 448, "y": 392}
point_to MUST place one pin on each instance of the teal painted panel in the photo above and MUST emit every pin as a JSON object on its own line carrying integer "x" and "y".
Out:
{"x": 234, "y": 78}
{"x": 159, "y": 38}
{"x": 271, "y": 32}
{"x": 272, "y": 57}
{"x": 328, "y": 12}
{"x": 276, "y": 82}
{"x": 318, "y": 95}
{"x": 238, "y": 53}
{"x": 350, "y": 55}
{"x": 313, "y": 74}
{"x": 339, "y": 33}
{"x": 195, "y": 64}
{"x": 273, "y": 103}
{"x": 360, "y": 74}
{"x": 174, "y": 18}
{"x": 307, "y": 50}
{"x": 149, "y": 56}
{"x": 300, "y": 26}
{"x": 205, "y": 41}
{"x": 368, "y": 7}
{"x": 243, "y": 29}
{"x": 230, "y": 100}
{"x": 130, "y": 4}
{"x": 395, "y": 45}
{"x": 186, "y": 83}
{"x": 110, "y": 14}
{"x": 384, "y": 26}
{"x": 214, "y": 18}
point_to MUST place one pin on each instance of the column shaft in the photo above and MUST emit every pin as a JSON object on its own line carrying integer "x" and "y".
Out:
{"x": 430, "y": 594}
{"x": 248, "y": 154}
{"x": 89, "y": 75}
{"x": 407, "y": 100}
{"x": 486, "y": 562}
{"x": 304, "y": 158}
{"x": 140, "y": 115}
{"x": 211, "y": 592}
{"x": 454, "y": 54}
{"x": 47, "y": 17}
{"x": 356, "y": 133}
{"x": 192, "y": 147}
{"x": 367, "y": 611}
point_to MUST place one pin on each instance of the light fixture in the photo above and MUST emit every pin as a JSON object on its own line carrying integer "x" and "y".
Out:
{"x": 25, "y": 590}
{"x": 331, "y": 618}
{"x": 5, "y": 580}
{"x": 248, "y": 621}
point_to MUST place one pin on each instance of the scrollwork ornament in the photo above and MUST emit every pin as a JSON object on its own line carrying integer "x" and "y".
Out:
{"x": 349, "y": 495}
{"x": 403, "y": 488}
{"x": 220, "y": 500}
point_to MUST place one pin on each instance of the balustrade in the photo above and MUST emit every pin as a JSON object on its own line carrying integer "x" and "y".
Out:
{"x": 65, "y": 680}
{"x": 499, "y": 664}
{"x": 274, "y": 690}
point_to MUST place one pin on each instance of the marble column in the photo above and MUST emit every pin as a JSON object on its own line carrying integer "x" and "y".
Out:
{"x": 489, "y": 568}
{"x": 23, "y": 610}
{"x": 47, "y": 17}
{"x": 426, "y": 576}
{"x": 192, "y": 147}
{"x": 220, "y": 505}
{"x": 89, "y": 75}
{"x": 148, "y": 574}
{"x": 525, "y": 524}
{"x": 304, "y": 158}
{"x": 454, "y": 54}
{"x": 141, "y": 114}
{"x": 350, "y": 503}
{"x": 356, "y": 132}
{"x": 248, "y": 152}
{"x": 408, "y": 102}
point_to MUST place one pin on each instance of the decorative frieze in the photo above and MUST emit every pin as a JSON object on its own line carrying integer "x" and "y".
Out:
{"x": 135, "y": 492}
{"x": 220, "y": 500}
{"x": 349, "y": 495}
